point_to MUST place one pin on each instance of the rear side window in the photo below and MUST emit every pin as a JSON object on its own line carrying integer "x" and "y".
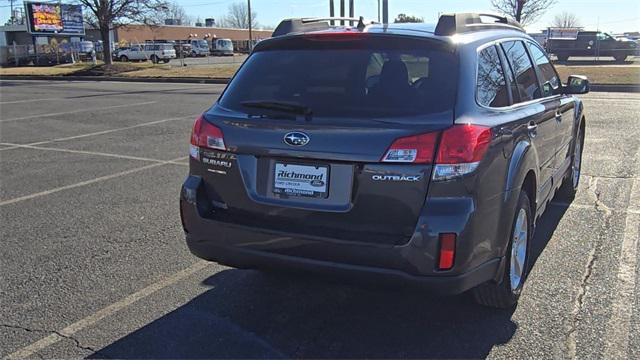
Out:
{"x": 549, "y": 77}
{"x": 491, "y": 85}
{"x": 360, "y": 77}
{"x": 522, "y": 68}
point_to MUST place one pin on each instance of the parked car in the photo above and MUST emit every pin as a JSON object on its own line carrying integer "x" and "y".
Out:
{"x": 591, "y": 44}
{"x": 182, "y": 50}
{"x": 156, "y": 52}
{"x": 422, "y": 155}
{"x": 222, "y": 47}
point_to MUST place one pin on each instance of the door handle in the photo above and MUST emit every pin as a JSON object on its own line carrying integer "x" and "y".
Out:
{"x": 532, "y": 128}
{"x": 558, "y": 115}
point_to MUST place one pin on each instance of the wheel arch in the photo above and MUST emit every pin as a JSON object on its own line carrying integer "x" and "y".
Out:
{"x": 522, "y": 174}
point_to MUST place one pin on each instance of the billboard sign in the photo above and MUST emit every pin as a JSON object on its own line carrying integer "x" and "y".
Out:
{"x": 54, "y": 18}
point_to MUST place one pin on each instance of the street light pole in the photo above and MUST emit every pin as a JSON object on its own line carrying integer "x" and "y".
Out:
{"x": 385, "y": 12}
{"x": 250, "y": 35}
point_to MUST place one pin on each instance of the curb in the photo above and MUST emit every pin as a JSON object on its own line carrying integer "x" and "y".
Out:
{"x": 189, "y": 80}
{"x": 118, "y": 78}
{"x": 614, "y": 88}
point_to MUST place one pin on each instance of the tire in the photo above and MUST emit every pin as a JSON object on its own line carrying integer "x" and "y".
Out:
{"x": 166, "y": 61}
{"x": 123, "y": 58}
{"x": 620, "y": 58}
{"x": 154, "y": 59}
{"x": 194, "y": 54}
{"x": 571, "y": 181}
{"x": 505, "y": 294}
{"x": 562, "y": 57}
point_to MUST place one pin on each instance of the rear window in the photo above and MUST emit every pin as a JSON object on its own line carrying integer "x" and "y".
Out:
{"x": 369, "y": 76}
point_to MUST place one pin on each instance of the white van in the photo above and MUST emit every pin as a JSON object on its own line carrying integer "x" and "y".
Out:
{"x": 222, "y": 47}
{"x": 155, "y": 52}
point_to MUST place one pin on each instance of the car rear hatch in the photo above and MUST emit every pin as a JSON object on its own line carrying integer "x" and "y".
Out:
{"x": 328, "y": 135}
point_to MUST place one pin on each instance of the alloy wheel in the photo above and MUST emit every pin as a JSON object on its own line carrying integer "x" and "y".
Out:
{"x": 519, "y": 249}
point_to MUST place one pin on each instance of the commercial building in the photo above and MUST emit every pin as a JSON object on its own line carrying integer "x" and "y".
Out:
{"x": 142, "y": 33}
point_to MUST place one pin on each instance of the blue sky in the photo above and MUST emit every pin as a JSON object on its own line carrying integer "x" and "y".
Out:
{"x": 611, "y": 15}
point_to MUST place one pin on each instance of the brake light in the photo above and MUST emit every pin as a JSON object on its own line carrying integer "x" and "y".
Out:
{"x": 463, "y": 144}
{"x": 207, "y": 135}
{"x": 335, "y": 36}
{"x": 447, "y": 251}
{"x": 460, "y": 151}
{"x": 417, "y": 149}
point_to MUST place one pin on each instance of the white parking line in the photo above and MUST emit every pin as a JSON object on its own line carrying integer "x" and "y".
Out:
{"x": 77, "y": 111}
{"x": 30, "y": 100}
{"x": 70, "y": 330}
{"x": 103, "y": 132}
{"x": 619, "y": 326}
{"x": 96, "y": 153}
{"x": 88, "y": 182}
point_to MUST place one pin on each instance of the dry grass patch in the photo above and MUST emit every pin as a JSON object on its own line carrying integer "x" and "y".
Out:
{"x": 603, "y": 74}
{"x": 58, "y": 70}
{"x": 199, "y": 71}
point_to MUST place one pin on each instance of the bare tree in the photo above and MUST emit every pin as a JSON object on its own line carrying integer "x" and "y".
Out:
{"x": 524, "y": 11}
{"x": 238, "y": 17}
{"x": 172, "y": 10}
{"x": 565, "y": 20}
{"x": 106, "y": 15}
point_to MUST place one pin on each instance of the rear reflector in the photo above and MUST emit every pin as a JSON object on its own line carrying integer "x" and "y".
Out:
{"x": 417, "y": 149}
{"x": 204, "y": 134}
{"x": 447, "y": 251}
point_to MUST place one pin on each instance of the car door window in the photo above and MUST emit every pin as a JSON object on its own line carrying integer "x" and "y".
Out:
{"x": 491, "y": 87}
{"x": 523, "y": 69}
{"x": 548, "y": 76}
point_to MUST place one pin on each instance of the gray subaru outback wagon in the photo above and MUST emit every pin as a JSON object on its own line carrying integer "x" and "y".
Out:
{"x": 407, "y": 153}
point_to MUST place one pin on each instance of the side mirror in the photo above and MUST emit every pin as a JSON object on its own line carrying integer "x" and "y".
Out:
{"x": 576, "y": 84}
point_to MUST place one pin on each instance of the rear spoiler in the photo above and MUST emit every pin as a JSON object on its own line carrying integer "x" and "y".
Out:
{"x": 302, "y": 25}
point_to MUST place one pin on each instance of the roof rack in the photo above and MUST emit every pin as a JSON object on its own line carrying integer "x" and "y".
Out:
{"x": 302, "y": 25}
{"x": 450, "y": 24}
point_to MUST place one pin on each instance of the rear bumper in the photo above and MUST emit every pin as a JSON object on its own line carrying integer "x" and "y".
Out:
{"x": 247, "y": 247}
{"x": 252, "y": 259}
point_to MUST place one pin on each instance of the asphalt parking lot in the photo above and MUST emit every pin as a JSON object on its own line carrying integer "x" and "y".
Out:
{"x": 93, "y": 261}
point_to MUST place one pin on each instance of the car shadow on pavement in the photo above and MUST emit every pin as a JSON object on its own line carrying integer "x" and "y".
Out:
{"x": 545, "y": 227}
{"x": 250, "y": 314}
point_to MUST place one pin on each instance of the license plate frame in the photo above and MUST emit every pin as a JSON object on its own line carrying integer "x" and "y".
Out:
{"x": 303, "y": 180}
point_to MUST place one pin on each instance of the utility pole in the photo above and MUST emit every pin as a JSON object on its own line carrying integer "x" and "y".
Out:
{"x": 11, "y": 17}
{"x": 351, "y": 10}
{"x": 378, "y": 10}
{"x": 332, "y": 12}
{"x": 385, "y": 11}
{"x": 341, "y": 11}
{"x": 250, "y": 36}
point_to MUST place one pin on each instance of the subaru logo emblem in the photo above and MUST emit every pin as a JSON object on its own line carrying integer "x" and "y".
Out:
{"x": 296, "y": 138}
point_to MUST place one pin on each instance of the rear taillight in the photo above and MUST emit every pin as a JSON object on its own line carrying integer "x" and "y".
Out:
{"x": 205, "y": 135}
{"x": 460, "y": 150}
{"x": 417, "y": 149}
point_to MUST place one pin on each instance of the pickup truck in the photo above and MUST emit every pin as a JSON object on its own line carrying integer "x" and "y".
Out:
{"x": 591, "y": 43}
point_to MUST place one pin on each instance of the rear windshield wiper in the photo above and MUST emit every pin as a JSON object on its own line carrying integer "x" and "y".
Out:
{"x": 282, "y": 106}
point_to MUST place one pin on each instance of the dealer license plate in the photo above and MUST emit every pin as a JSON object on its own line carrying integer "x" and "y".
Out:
{"x": 301, "y": 180}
